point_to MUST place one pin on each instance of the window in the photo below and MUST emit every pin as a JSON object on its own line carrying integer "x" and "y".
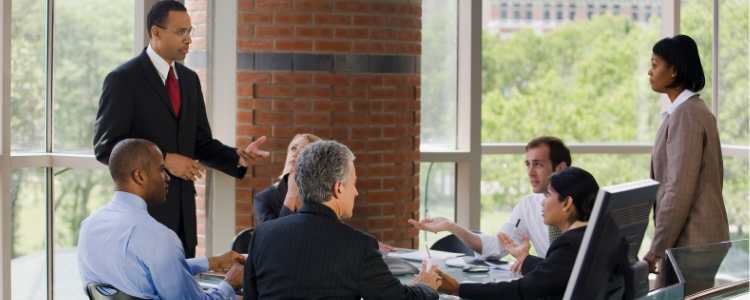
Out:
{"x": 437, "y": 194}
{"x": 616, "y": 9}
{"x": 529, "y": 11}
{"x": 733, "y": 92}
{"x": 28, "y": 90}
{"x": 439, "y": 69}
{"x": 647, "y": 13}
{"x": 590, "y": 10}
{"x": 696, "y": 21}
{"x": 559, "y": 10}
{"x": 572, "y": 11}
{"x": 516, "y": 11}
{"x": 546, "y": 11}
{"x": 28, "y": 263}
{"x": 603, "y": 9}
{"x": 504, "y": 11}
{"x": 635, "y": 12}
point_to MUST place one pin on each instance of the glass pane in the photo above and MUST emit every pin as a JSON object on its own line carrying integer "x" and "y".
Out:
{"x": 28, "y": 265}
{"x": 437, "y": 186}
{"x": 737, "y": 195}
{"x": 91, "y": 39}
{"x": 27, "y": 80}
{"x": 696, "y": 17}
{"x": 582, "y": 80}
{"x": 734, "y": 41}
{"x": 77, "y": 194}
{"x": 439, "y": 73}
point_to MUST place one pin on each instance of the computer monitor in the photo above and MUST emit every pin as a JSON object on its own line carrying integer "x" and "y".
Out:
{"x": 607, "y": 266}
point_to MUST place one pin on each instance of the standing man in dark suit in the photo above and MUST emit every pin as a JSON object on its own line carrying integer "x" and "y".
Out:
{"x": 154, "y": 98}
{"x": 313, "y": 255}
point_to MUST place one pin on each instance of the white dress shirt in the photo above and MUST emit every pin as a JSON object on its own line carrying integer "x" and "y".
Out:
{"x": 686, "y": 94}
{"x": 161, "y": 65}
{"x": 529, "y": 210}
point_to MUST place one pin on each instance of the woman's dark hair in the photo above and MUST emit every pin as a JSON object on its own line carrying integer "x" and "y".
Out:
{"x": 681, "y": 52}
{"x": 579, "y": 185}
{"x": 159, "y": 13}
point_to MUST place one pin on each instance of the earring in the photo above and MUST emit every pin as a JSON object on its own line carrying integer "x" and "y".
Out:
{"x": 672, "y": 75}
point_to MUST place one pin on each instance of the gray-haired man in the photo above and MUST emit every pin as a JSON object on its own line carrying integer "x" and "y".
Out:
{"x": 311, "y": 254}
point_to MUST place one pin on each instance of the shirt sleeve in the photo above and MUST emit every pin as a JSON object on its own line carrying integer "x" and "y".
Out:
{"x": 198, "y": 265}
{"x": 491, "y": 248}
{"x": 172, "y": 274}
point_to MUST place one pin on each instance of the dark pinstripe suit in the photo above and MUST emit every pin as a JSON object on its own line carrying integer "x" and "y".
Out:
{"x": 312, "y": 255}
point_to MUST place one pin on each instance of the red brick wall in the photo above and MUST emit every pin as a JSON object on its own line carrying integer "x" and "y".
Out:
{"x": 377, "y": 115}
{"x": 198, "y": 10}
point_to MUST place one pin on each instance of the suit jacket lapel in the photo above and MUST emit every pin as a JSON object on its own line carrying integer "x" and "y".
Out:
{"x": 149, "y": 71}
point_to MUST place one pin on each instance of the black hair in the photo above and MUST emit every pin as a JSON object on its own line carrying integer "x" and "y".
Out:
{"x": 129, "y": 155}
{"x": 579, "y": 185}
{"x": 159, "y": 13}
{"x": 558, "y": 152}
{"x": 681, "y": 52}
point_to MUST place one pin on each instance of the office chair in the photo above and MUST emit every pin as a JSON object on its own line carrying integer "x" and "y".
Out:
{"x": 95, "y": 294}
{"x": 242, "y": 241}
{"x": 452, "y": 244}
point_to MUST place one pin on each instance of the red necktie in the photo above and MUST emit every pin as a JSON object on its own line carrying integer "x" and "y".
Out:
{"x": 173, "y": 89}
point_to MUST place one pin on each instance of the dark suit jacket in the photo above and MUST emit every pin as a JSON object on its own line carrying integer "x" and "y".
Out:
{"x": 135, "y": 104}
{"x": 542, "y": 278}
{"x": 269, "y": 204}
{"x": 313, "y": 255}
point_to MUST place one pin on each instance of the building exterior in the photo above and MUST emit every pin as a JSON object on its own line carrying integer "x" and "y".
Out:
{"x": 508, "y": 16}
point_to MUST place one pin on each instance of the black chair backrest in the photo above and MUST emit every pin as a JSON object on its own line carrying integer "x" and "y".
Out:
{"x": 95, "y": 294}
{"x": 242, "y": 241}
{"x": 452, "y": 244}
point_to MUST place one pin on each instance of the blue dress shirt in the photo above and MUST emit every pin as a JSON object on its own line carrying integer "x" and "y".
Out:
{"x": 122, "y": 245}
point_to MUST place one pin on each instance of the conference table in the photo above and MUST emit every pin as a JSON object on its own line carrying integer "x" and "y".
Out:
{"x": 494, "y": 275}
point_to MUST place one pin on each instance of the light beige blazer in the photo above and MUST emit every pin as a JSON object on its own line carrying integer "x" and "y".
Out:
{"x": 687, "y": 161}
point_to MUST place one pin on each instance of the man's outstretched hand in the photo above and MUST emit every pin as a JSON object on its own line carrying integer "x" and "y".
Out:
{"x": 252, "y": 154}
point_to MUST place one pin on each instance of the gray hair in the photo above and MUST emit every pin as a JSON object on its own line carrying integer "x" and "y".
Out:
{"x": 319, "y": 166}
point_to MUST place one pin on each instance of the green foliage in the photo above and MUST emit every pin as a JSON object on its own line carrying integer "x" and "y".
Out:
{"x": 587, "y": 82}
{"x": 91, "y": 39}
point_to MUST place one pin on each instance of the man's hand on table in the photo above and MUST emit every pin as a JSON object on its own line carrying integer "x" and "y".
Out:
{"x": 234, "y": 276}
{"x": 386, "y": 247}
{"x": 427, "y": 276}
{"x": 225, "y": 261}
{"x": 449, "y": 285}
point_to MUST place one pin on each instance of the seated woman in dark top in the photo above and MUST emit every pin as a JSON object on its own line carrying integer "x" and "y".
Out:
{"x": 275, "y": 202}
{"x": 282, "y": 199}
{"x": 570, "y": 198}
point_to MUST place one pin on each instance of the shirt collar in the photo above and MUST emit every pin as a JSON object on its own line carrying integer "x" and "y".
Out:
{"x": 686, "y": 94}
{"x": 130, "y": 199}
{"x": 161, "y": 65}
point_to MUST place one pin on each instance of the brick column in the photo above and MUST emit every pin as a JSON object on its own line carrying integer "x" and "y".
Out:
{"x": 342, "y": 70}
{"x": 197, "y": 60}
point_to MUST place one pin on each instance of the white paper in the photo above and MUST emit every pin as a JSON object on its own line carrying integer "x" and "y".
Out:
{"x": 422, "y": 254}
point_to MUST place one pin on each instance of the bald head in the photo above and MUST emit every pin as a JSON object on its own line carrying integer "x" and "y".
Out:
{"x": 130, "y": 155}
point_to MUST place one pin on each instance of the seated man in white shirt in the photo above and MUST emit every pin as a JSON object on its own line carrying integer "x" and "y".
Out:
{"x": 122, "y": 246}
{"x": 544, "y": 156}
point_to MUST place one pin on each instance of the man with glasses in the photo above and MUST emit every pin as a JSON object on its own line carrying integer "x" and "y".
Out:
{"x": 154, "y": 98}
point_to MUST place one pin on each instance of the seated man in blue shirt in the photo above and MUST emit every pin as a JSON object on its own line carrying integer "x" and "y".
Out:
{"x": 123, "y": 246}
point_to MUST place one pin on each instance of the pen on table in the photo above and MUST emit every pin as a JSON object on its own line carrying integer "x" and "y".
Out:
{"x": 428, "y": 251}
{"x": 514, "y": 229}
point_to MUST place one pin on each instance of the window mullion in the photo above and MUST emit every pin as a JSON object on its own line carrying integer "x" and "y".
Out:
{"x": 49, "y": 138}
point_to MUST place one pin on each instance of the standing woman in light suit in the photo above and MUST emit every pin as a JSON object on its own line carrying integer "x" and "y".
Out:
{"x": 686, "y": 160}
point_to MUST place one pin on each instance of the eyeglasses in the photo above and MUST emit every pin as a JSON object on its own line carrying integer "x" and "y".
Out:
{"x": 181, "y": 32}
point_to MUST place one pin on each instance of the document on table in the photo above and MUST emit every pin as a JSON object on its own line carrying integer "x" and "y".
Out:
{"x": 422, "y": 254}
